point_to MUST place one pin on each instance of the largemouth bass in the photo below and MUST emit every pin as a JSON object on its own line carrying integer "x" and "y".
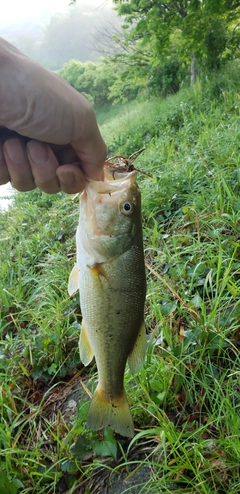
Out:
{"x": 110, "y": 275}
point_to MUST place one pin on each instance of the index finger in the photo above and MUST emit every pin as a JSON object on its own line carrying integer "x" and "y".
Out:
{"x": 43, "y": 164}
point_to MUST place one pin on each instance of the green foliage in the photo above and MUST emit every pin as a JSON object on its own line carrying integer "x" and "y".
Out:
{"x": 156, "y": 45}
{"x": 93, "y": 80}
{"x": 105, "y": 446}
{"x": 210, "y": 30}
{"x": 28, "y": 261}
{"x": 166, "y": 78}
{"x": 185, "y": 401}
{"x": 104, "y": 82}
{"x": 7, "y": 486}
{"x": 215, "y": 43}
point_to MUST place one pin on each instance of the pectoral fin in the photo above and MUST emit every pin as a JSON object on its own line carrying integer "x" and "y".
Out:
{"x": 73, "y": 280}
{"x": 97, "y": 270}
{"x": 85, "y": 349}
{"x": 137, "y": 355}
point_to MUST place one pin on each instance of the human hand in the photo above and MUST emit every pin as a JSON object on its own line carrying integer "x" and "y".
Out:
{"x": 64, "y": 142}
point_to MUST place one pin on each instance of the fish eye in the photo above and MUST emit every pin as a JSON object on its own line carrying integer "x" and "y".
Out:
{"x": 127, "y": 208}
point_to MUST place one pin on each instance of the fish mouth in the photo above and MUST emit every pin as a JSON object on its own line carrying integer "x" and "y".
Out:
{"x": 111, "y": 190}
{"x": 116, "y": 182}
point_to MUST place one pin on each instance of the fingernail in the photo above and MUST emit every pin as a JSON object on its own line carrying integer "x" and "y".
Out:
{"x": 15, "y": 151}
{"x": 38, "y": 152}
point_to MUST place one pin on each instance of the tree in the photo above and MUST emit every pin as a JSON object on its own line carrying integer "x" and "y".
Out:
{"x": 204, "y": 30}
{"x": 91, "y": 79}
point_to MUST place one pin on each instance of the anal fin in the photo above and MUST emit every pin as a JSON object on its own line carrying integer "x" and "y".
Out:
{"x": 85, "y": 349}
{"x": 137, "y": 356}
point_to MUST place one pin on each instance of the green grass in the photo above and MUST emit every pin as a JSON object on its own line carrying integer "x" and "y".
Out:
{"x": 186, "y": 400}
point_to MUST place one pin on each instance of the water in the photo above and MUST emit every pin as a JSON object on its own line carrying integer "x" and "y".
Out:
{"x": 6, "y": 192}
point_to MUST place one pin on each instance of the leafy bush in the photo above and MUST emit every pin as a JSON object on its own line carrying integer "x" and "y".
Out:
{"x": 166, "y": 78}
{"x": 93, "y": 80}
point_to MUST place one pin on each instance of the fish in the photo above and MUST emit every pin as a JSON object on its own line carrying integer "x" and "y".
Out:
{"x": 110, "y": 276}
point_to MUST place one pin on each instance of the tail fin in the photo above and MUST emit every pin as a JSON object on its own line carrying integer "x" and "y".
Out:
{"x": 114, "y": 414}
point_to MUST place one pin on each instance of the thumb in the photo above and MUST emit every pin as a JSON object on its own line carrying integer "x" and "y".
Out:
{"x": 91, "y": 151}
